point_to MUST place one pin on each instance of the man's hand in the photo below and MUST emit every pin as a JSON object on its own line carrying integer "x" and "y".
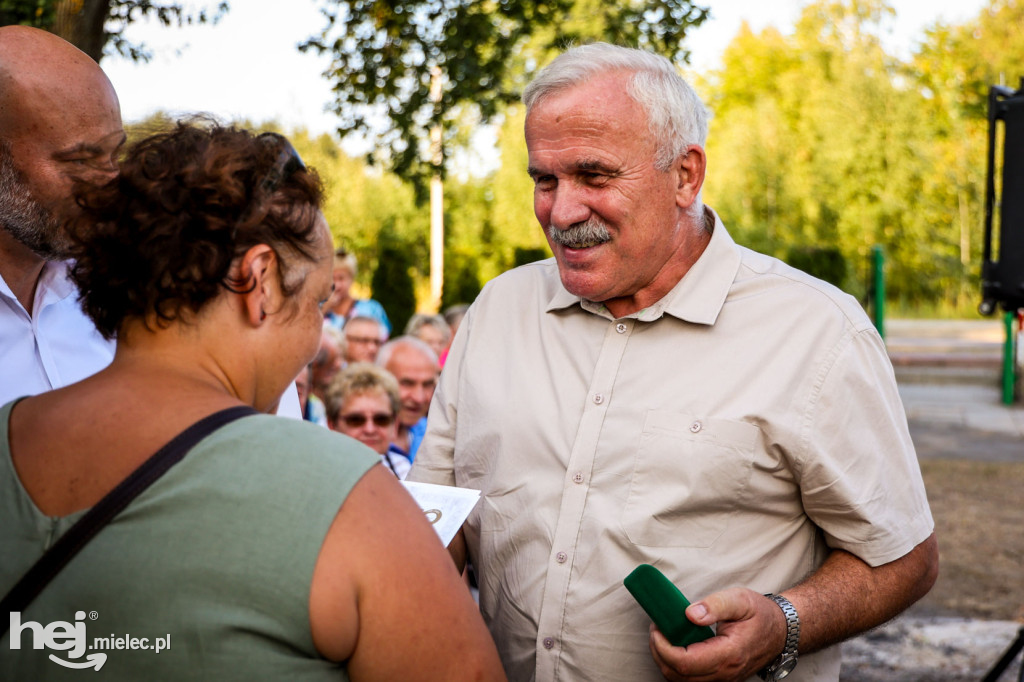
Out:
{"x": 751, "y": 633}
{"x": 841, "y": 599}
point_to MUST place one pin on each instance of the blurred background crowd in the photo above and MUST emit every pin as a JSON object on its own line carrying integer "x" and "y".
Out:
{"x": 369, "y": 383}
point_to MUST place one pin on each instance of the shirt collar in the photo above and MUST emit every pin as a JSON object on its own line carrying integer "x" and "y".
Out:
{"x": 53, "y": 284}
{"x": 698, "y": 297}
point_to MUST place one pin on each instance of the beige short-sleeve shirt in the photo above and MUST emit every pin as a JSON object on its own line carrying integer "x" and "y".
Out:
{"x": 730, "y": 435}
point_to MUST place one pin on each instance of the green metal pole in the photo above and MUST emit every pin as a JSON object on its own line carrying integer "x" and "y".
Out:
{"x": 878, "y": 269}
{"x": 1008, "y": 359}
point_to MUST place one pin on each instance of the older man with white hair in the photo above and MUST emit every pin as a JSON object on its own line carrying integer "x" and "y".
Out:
{"x": 414, "y": 364}
{"x": 657, "y": 394}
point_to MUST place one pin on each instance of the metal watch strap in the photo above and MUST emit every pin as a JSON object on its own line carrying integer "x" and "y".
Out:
{"x": 786, "y": 661}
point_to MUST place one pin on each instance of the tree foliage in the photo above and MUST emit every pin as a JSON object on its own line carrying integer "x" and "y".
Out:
{"x": 821, "y": 145}
{"x": 514, "y": 228}
{"x": 461, "y": 280}
{"x": 96, "y": 27}
{"x": 825, "y": 263}
{"x": 386, "y": 53}
{"x": 956, "y": 65}
{"x": 822, "y": 139}
{"x": 392, "y": 281}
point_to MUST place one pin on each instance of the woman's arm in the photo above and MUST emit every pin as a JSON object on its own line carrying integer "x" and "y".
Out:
{"x": 387, "y": 598}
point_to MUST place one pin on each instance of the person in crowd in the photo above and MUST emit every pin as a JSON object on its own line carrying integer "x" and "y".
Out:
{"x": 328, "y": 361}
{"x": 363, "y": 402}
{"x": 60, "y": 122}
{"x": 453, "y": 316}
{"x": 414, "y": 364}
{"x": 312, "y": 407}
{"x": 363, "y": 339}
{"x": 343, "y": 307}
{"x": 657, "y": 394}
{"x": 302, "y": 385}
{"x": 432, "y": 330}
{"x": 278, "y": 549}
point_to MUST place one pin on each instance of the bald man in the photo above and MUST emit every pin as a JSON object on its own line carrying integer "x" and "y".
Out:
{"x": 60, "y": 121}
{"x": 414, "y": 364}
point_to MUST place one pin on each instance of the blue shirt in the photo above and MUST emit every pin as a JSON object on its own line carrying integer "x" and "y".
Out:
{"x": 416, "y": 433}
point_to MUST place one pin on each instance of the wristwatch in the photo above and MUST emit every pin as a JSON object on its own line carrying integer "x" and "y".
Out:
{"x": 783, "y": 665}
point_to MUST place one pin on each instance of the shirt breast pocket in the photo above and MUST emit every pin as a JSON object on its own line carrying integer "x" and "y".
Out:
{"x": 689, "y": 474}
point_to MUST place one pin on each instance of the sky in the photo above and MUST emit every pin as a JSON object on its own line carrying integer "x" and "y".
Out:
{"x": 248, "y": 67}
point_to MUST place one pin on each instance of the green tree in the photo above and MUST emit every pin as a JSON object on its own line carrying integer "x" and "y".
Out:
{"x": 431, "y": 68}
{"x": 824, "y": 263}
{"x": 360, "y": 201}
{"x": 954, "y": 69}
{"x": 392, "y": 280}
{"x": 956, "y": 65}
{"x": 96, "y": 27}
{"x": 468, "y": 239}
{"x": 819, "y": 140}
{"x": 461, "y": 279}
{"x": 386, "y": 55}
{"x": 530, "y": 255}
{"x": 515, "y": 226}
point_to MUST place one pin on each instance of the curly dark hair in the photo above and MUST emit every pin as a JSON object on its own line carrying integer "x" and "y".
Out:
{"x": 160, "y": 238}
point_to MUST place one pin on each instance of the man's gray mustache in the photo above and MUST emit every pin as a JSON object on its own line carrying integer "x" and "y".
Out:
{"x": 591, "y": 232}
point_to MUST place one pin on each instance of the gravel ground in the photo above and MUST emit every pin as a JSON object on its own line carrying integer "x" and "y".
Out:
{"x": 930, "y": 650}
{"x": 975, "y": 483}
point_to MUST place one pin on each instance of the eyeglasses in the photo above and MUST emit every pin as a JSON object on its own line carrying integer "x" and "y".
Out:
{"x": 288, "y": 161}
{"x": 365, "y": 340}
{"x": 356, "y": 420}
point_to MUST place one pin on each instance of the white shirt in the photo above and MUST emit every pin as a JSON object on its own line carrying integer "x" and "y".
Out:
{"x": 55, "y": 346}
{"x": 59, "y": 345}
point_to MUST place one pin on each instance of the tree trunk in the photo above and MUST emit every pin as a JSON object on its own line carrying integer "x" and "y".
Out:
{"x": 81, "y": 23}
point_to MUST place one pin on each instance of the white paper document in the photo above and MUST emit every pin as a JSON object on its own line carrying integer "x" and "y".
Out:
{"x": 446, "y": 506}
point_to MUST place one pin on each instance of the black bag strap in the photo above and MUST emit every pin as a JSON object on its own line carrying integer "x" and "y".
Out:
{"x": 86, "y": 528}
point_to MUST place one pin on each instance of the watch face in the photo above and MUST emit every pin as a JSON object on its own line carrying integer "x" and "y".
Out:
{"x": 784, "y": 668}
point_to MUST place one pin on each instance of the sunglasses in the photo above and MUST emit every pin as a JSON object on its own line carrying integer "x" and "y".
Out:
{"x": 354, "y": 421}
{"x": 288, "y": 161}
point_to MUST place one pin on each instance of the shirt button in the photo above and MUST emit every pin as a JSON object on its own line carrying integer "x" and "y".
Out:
{"x": 549, "y": 642}
{"x": 620, "y": 328}
{"x": 696, "y": 426}
{"x": 598, "y": 399}
{"x": 577, "y": 477}
{"x": 561, "y": 557}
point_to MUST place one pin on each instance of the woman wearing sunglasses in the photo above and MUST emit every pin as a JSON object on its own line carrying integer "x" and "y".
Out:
{"x": 363, "y": 403}
{"x": 270, "y": 548}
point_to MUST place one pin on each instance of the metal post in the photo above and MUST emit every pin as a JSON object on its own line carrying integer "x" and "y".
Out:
{"x": 1009, "y": 358}
{"x": 878, "y": 273}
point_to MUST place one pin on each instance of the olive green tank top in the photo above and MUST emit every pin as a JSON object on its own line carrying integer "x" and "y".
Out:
{"x": 204, "y": 576}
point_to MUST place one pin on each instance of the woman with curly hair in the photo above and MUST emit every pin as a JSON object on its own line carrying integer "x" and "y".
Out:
{"x": 273, "y": 549}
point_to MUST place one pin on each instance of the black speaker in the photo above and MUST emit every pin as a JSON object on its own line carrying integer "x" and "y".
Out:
{"x": 1002, "y": 279}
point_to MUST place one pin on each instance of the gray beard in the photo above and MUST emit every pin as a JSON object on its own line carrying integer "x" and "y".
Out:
{"x": 591, "y": 232}
{"x": 24, "y": 218}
